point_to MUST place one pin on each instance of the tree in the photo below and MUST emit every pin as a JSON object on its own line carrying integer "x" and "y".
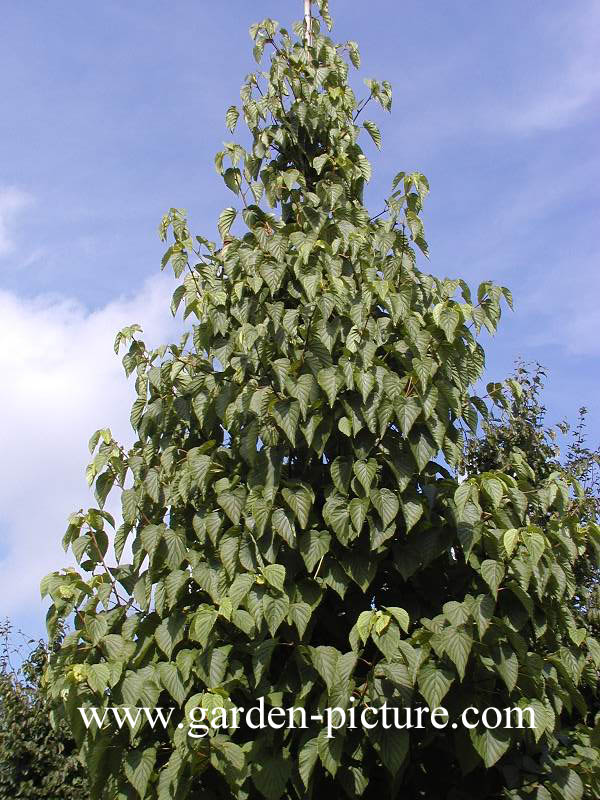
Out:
{"x": 292, "y": 508}
{"x": 515, "y": 424}
{"x": 36, "y": 762}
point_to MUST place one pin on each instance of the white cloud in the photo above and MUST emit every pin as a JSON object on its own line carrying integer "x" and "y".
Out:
{"x": 61, "y": 381}
{"x": 12, "y": 202}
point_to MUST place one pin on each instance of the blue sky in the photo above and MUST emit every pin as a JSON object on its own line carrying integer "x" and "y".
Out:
{"x": 112, "y": 113}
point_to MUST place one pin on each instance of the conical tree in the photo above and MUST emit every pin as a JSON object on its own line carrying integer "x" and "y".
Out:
{"x": 291, "y": 505}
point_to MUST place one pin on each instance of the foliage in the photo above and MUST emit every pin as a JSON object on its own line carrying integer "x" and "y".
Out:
{"x": 516, "y": 421}
{"x": 516, "y": 424}
{"x": 293, "y": 524}
{"x": 584, "y": 465}
{"x": 36, "y": 762}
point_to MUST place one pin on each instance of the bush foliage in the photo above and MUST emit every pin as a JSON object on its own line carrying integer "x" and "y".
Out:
{"x": 37, "y": 762}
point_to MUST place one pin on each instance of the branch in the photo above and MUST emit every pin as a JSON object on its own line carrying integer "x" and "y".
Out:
{"x": 362, "y": 106}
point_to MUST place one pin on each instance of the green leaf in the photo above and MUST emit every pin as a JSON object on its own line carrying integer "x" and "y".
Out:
{"x": 275, "y": 611}
{"x": 270, "y": 775}
{"x": 365, "y": 383}
{"x": 448, "y": 322}
{"x": 232, "y": 503}
{"x": 492, "y": 573}
{"x": 117, "y": 648}
{"x": 412, "y": 511}
{"x": 319, "y": 162}
{"x": 214, "y": 663}
{"x": 364, "y": 624}
{"x": 98, "y": 676}
{"x": 176, "y": 547}
{"x": 138, "y": 766}
{"x": 303, "y": 391}
{"x": 169, "y": 633}
{"x": 388, "y": 639}
{"x": 261, "y": 658}
{"x": 534, "y": 541}
{"x": 483, "y": 613}
{"x": 300, "y": 614}
{"x": 275, "y": 576}
{"x": 423, "y": 448}
{"x": 132, "y": 687}
{"x": 129, "y": 502}
{"x": 233, "y": 754}
{"x": 365, "y": 471}
{"x": 345, "y": 426}
{"x": 300, "y": 500}
{"x": 400, "y": 615}
{"x": 287, "y": 415}
{"x": 171, "y": 679}
{"x": 200, "y": 464}
{"x": 392, "y": 745}
{"x": 360, "y": 568}
{"x": 354, "y": 54}
{"x": 313, "y": 546}
{"x": 434, "y": 682}
{"x": 494, "y": 490}
{"x": 150, "y": 538}
{"x": 457, "y": 643}
{"x": 341, "y": 473}
{"x": 229, "y": 546}
{"x": 337, "y": 517}
{"x": 352, "y": 343}
{"x": 97, "y": 628}
{"x": 510, "y": 539}
{"x": 244, "y": 621}
{"x": 490, "y": 744}
{"x": 307, "y": 760}
{"x": 364, "y": 167}
{"x": 569, "y": 783}
{"x": 324, "y": 660}
{"x": 330, "y": 752}
{"x": 226, "y": 219}
{"x": 240, "y": 588}
{"x": 387, "y": 505}
{"x": 456, "y": 613}
{"x": 373, "y": 132}
{"x": 232, "y": 117}
{"x": 407, "y": 411}
{"x": 202, "y": 625}
{"x": 358, "y": 512}
{"x": 423, "y": 368}
{"x": 506, "y": 664}
{"x": 329, "y": 380}
{"x": 324, "y": 11}
{"x": 152, "y": 485}
{"x": 461, "y": 496}
{"x": 519, "y": 502}
{"x": 284, "y": 526}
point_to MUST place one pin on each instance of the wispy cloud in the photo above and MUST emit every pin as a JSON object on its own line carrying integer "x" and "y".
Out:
{"x": 564, "y": 308}
{"x": 565, "y": 84}
{"x": 62, "y": 381}
{"x": 12, "y": 202}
